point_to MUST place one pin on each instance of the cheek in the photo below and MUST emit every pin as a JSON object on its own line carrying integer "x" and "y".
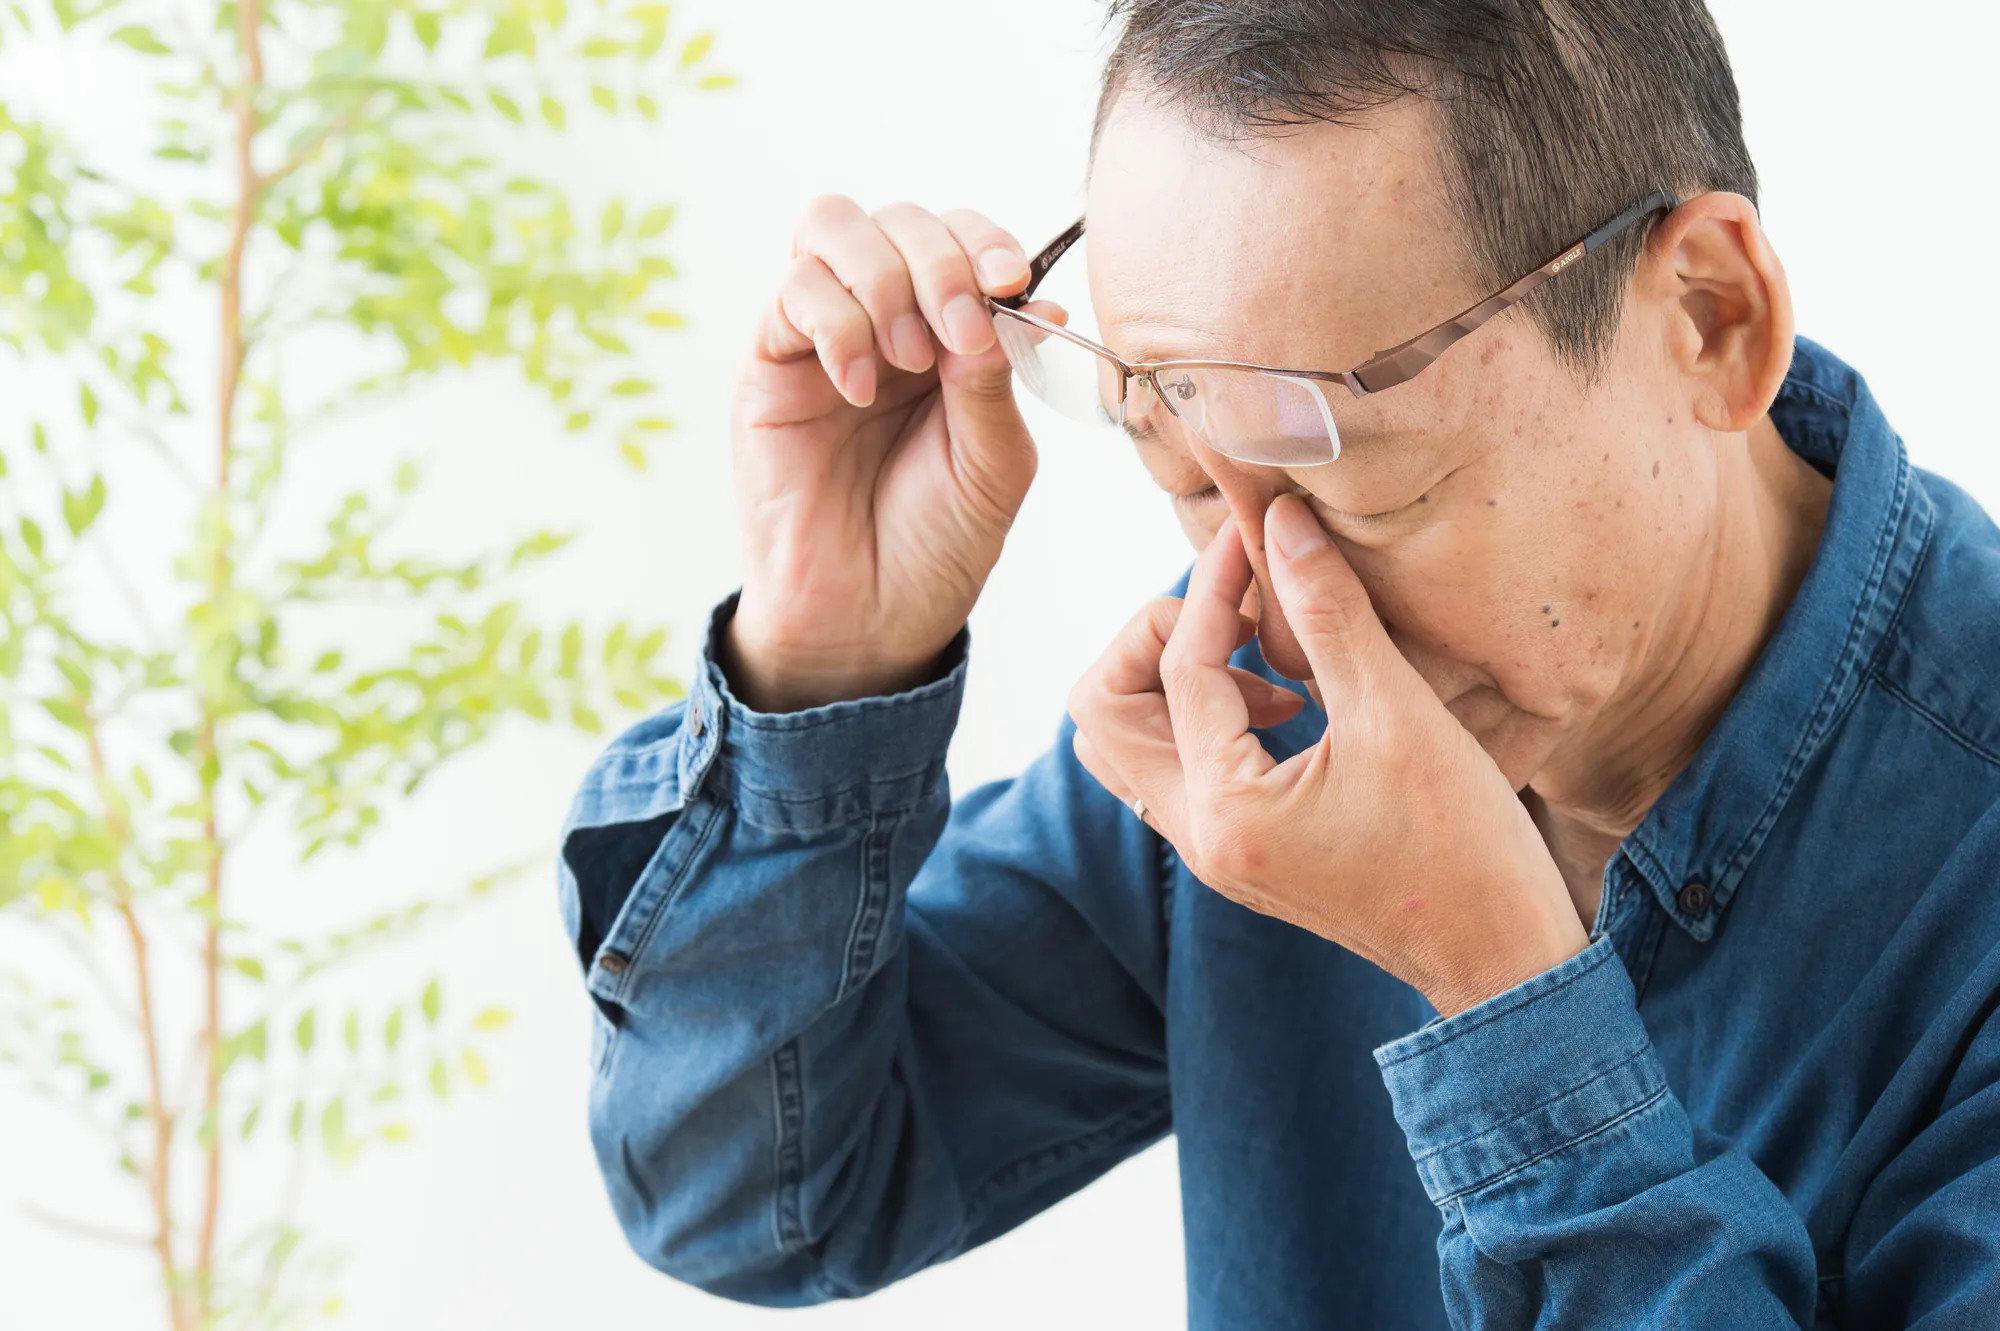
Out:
{"x": 1199, "y": 523}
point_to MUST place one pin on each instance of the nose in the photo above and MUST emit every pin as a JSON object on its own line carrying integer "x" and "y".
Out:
{"x": 1249, "y": 490}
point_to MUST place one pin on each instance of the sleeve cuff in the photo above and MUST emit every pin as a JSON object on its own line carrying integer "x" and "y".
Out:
{"x": 826, "y": 765}
{"x": 1551, "y": 1061}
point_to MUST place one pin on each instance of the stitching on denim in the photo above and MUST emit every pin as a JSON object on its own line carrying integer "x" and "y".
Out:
{"x": 787, "y": 1151}
{"x": 1950, "y": 731}
{"x": 1578, "y": 1140}
{"x": 1438, "y": 1042}
{"x": 1136, "y": 1122}
{"x": 1638, "y": 1052}
{"x": 871, "y": 906}
{"x": 707, "y": 816}
{"x": 1833, "y": 702}
{"x": 929, "y": 773}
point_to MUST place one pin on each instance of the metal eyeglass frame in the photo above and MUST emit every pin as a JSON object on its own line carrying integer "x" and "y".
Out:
{"x": 1386, "y": 369}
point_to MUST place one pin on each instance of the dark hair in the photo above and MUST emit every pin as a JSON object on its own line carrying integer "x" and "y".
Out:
{"x": 1553, "y": 115}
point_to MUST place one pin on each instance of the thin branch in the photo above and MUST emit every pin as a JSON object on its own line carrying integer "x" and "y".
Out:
{"x": 313, "y": 146}
{"x": 82, "y": 1230}
{"x": 159, "y": 1174}
{"x": 249, "y": 38}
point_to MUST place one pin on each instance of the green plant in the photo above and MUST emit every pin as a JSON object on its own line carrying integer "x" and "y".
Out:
{"x": 325, "y": 173}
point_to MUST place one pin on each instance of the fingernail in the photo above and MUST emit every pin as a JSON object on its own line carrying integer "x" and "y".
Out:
{"x": 911, "y": 338}
{"x": 859, "y": 381}
{"x": 1293, "y": 529}
{"x": 1000, "y": 268}
{"x": 969, "y": 330}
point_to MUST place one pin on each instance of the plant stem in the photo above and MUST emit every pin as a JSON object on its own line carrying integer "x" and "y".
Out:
{"x": 161, "y": 1118}
{"x": 249, "y": 37}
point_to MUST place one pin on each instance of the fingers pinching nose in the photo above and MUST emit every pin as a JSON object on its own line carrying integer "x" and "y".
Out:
{"x": 1291, "y": 527}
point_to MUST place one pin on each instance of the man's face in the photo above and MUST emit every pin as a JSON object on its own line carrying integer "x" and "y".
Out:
{"x": 1521, "y": 537}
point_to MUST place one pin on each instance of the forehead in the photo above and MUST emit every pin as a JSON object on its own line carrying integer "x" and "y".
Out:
{"x": 1316, "y": 240}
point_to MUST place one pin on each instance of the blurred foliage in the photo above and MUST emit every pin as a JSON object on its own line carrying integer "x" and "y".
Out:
{"x": 318, "y": 169}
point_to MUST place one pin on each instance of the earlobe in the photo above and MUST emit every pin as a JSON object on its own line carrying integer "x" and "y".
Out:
{"x": 1731, "y": 330}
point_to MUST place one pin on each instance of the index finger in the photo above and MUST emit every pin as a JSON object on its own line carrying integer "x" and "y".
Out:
{"x": 1210, "y": 716}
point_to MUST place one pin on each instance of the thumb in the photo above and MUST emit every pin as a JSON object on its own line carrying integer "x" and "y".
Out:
{"x": 1326, "y": 605}
{"x": 988, "y": 439}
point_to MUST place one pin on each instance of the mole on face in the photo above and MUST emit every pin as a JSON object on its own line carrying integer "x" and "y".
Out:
{"x": 1656, "y": 471}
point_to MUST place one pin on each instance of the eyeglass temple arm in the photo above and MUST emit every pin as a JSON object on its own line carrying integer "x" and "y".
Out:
{"x": 1403, "y": 363}
{"x": 1038, "y": 267}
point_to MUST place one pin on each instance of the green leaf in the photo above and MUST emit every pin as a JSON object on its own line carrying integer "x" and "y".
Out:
{"x": 635, "y": 456}
{"x": 307, "y": 1028}
{"x": 248, "y": 966}
{"x": 646, "y": 106}
{"x": 81, "y": 509}
{"x": 553, "y": 112}
{"x": 493, "y": 1019}
{"x": 433, "y": 1002}
{"x": 655, "y": 221}
{"x": 140, "y": 40}
{"x": 351, "y": 1032}
{"x": 631, "y": 388}
{"x": 613, "y": 220}
{"x": 664, "y": 319}
{"x": 87, "y": 402}
{"x": 475, "y": 1067}
{"x": 295, "y": 1125}
{"x": 607, "y": 100}
{"x": 713, "y": 82}
{"x": 250, "y": 1123}
{"x": 333, "y": 1123}
{"x": 440, "y": 1078}
{"x": 78, "y": 677}
{"x": 696, "y": 48}
{"x": 394, "y": 1132}
{"x": 505, "y": 105}
{"x": 31, "y": 536}
{"x": 426, "y": 26}
{"x": 392, "y": 1029}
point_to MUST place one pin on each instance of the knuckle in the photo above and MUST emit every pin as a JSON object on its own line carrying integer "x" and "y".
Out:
{"x": 1083, "y": 696}
{"x": 883, "y": 289}
{"x": 826, "y": 211}
{"x": 979, "y": 231}
{"x": 901, "y": 213}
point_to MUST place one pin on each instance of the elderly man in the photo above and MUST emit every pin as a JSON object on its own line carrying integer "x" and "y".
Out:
{"x": 1639, "y": 836}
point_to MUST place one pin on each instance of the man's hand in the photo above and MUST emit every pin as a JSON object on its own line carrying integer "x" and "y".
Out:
{"x": 879, "y": 456}
{"x": 1395, "y": 836}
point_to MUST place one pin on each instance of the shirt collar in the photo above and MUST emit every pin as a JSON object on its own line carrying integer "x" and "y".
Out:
{"x": 1709, "y": 825}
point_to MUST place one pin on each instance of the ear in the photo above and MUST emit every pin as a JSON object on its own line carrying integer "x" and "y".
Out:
{"x": 1728, "y": 307}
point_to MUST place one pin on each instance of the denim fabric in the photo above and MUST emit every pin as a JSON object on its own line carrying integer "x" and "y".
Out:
{"x": 847, "y": 1028}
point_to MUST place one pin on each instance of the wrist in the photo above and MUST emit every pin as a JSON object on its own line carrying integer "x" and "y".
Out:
{"x": 768, "y": 674}
{"x": 1506, "y": 934}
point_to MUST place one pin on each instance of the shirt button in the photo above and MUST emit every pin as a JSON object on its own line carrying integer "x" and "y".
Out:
{"x": 613, "y": 963}
{"x": 1694, "y": 898}
{"x": 697, "y": 719}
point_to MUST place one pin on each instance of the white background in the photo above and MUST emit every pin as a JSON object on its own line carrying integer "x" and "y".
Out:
{"x": 1873, "y": 127}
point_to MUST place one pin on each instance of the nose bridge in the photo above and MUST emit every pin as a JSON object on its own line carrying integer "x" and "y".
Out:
{"x": 1247, "y": 488}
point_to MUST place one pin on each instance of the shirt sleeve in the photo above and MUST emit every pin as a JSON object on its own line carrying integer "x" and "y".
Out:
{"x": 1575, "y": 1190}
{"x": 844, "y": 1028}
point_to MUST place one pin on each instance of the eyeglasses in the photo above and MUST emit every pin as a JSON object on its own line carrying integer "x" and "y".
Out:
{"x": 1252, "y": 413}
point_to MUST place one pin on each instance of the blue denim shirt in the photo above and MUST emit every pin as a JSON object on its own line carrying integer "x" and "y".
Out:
{"x": 847, "y": 1027}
